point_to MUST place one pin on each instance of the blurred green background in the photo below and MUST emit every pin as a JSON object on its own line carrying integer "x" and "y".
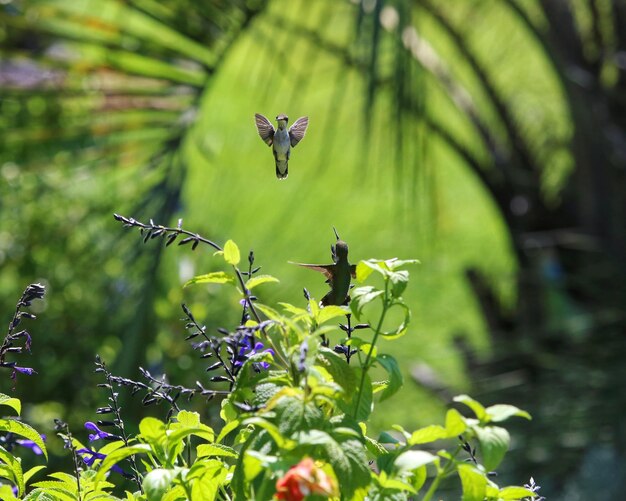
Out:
{"x": 485, "y": 138}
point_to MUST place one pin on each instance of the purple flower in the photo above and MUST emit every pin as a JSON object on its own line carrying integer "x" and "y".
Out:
{"x": 98, "y": 433}
{"x": 24, "y": 370}
{"x": 246, "y": 351}
{"x": 29, "y": 444}
{"x": 90, "y": 457}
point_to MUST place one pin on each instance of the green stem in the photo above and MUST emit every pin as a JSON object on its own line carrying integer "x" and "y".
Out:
{"x": 372, "y": 346}
{"x": 441, "y": 473}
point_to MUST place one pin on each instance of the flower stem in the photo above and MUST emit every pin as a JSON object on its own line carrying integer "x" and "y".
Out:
{"x": 372, "y": 346}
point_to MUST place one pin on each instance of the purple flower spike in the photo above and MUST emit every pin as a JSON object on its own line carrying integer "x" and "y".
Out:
{"x": 246, "y": 351}
{"x": 98, "y": 433}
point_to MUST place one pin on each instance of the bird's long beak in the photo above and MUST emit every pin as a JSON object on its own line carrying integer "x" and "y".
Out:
{"x": 336, "y": 234}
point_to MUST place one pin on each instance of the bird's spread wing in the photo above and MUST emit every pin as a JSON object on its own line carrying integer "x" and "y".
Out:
{"x": 265, "y": 128}
{"x": 326, "y": 269}
{"x": 297, "y": 130}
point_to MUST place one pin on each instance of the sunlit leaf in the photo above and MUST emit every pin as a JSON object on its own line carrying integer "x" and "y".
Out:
{"x": 231, "y": 253}
{"x": 258, "y": 280}
{"x": 216, "y": 277}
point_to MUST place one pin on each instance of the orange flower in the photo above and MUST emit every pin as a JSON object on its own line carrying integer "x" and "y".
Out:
{"x": 303, "y": 479}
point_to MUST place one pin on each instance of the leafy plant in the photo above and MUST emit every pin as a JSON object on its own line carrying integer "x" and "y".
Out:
{"x": 294, "y": 410}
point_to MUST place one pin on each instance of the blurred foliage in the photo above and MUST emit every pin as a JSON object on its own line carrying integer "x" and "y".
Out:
{"x": 476, "y": 135}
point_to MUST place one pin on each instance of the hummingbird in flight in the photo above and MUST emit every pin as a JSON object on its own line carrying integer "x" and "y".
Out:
{"x": 337, "y": 274}
{"x": 282, "y": 139}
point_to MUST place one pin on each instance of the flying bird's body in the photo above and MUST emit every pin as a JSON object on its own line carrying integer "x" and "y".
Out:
{"x": 281, "y": 139}
{"x": 337, "y": 275}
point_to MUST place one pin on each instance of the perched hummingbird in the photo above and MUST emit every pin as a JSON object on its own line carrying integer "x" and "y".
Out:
{"x": 337, "y": 274}
{"x": 282, "y": 139}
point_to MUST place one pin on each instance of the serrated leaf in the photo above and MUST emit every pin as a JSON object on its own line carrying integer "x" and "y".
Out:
{"x": 12, "y": 469}
{"x": 260, "y": 279}
{"x": 32, "y": 472}
{"x": 395, "y": 376}
{"x": 473, "y": 481}
{"x": 14, "y": 403}
{"x": 24, "y": 430}
{"x": 501, "y": 412}
{"x": 231, "y": 253}
{"x": 216, "y": 277}
{"x": 427, "y": 434}
{"x": 478, "y": 409}
{"x": 494, "y": 442}
{"x": 455, "y": 424}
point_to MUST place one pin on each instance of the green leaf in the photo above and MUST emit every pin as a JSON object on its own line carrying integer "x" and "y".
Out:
{"x": 231, "y": 253}
{"x": 427, "y": 434}
{"x": 361, "y": 296}
{"x": 502, "y": 412}
{"x": 455, "y": 424}
{"x": 6, "y": 494}
{"x": 515, "y": 492}
{"x": 410, "y": 461}
{"x": 362, "y": 271}
{"x": 217, "y": 277}
{"x": 32, "y": 472}
{"x": 473, "y": 481}
{"x": 258, "y": 280}
{"x": 281, "y": 441}
{"x": 478, "y": 409}
{"x": 341, "y": 372}
{"x": 12, "y": 470}
{"x": 152, "y": 429}
{"x": 14, "y": 403}
{"x": 25, "y": 431}
{"x": 117, "y": 456}
{"x": 205, "y": 489}
{"x": 220, "y": 450}
{"x": 331, "y": 311}
{"x": 364, "y": 409}
{"x": 395, "y": 376}
{"x": 187, "y": 418}
{"x": 399, "y": 281}
{"x": 394, "y": 263}
{"x": 494, "y": 442}
{"x": 348, "y": 460}
{"x": 227, "y": 428}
